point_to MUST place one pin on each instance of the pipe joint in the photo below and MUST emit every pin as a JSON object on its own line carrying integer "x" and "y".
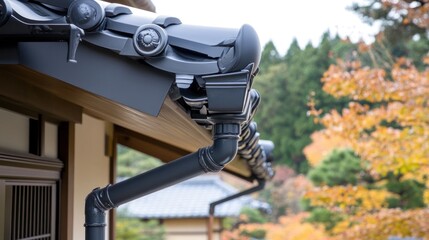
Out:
{"x": 224, "y": 148}
{"x": 226, "y": 130}
{"x": 95, "y": 216}
{"x": 96, "y": 203}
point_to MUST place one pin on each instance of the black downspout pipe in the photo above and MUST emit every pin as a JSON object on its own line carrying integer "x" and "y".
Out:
{"x": 208, "y": 159}
{"x": 260, "y": 186}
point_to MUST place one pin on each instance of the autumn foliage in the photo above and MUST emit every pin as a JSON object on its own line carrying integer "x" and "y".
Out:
{"x": 392, "y": 136}
{"x": 415, "y": 12}
{"x": 321, "y": 146}
{"x": 288, "y": 228}
{"x": 387, "y": 124}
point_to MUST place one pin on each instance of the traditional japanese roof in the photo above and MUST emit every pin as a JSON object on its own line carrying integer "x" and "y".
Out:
{"x": 143, "y": 102}
{"x": 189, "y": 199}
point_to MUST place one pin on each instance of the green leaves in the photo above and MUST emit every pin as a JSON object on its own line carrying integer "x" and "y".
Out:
{"x": 131, "y": 162}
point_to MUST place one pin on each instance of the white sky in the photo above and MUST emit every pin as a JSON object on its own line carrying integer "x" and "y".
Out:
{"x": 276, "y": 20}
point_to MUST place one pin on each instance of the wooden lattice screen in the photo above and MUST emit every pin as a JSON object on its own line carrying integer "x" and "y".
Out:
{"x": 31, "y": 210}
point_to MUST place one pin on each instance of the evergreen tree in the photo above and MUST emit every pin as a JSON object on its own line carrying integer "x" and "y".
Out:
{"x": 286, "y": 85}
{"x": 340, "y": 167}
{"x": 409, "y": 193}
{"x": 270, "y": 56}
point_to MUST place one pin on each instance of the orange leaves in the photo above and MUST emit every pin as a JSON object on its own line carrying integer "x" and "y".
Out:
{"x": 426, "y": 60}
{"x": 412, "y": 11}
{"x": 387, "y": 124}
{"x": 288, "y": 228}
{"x": 348, "y": 199}
{"x": 405, "y": 82}
{"x": 320, "y": 147}
{"x": 294, "y": 228}
{"x": 349, "y": 79}
{"x": 385, "y": 222}
{"x": 391, "y": 134}
{"x": 394, "y": 136}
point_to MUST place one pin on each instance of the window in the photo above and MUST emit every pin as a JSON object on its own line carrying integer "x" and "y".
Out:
{"x": 30, "y": 209}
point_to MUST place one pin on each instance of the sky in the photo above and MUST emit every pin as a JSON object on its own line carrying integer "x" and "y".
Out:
{"x": 277, "y": 20}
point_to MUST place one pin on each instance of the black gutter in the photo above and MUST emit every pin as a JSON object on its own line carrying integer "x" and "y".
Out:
{"x": 208, "y": 159}
{"x": 260, "y": 186}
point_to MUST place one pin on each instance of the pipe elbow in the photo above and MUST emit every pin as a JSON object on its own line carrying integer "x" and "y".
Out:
{"x": 223, "y": 150}
{"x": 94, "y": 215}
{"x": 96, "y": 205}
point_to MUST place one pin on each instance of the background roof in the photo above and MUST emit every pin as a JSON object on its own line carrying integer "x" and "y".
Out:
{"x": 189, "y": 199}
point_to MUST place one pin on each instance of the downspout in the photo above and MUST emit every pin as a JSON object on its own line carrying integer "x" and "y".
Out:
{"x": 208, "y": 159}
{"x": 212, "y": 208}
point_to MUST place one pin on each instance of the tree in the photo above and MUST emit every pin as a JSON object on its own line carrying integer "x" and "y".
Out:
{"x": 129, "y": 228}
{"x": 340, "y": 167}
{"x": 285, "y": 85}
{"x": 378, "y": 106}
{"x": 270, "y": 56}
{"x": 288, "y": 228}
{"x": 386, "y": 123}
{"x": 253, "y": 215}
{"x": 400, "y": 21}
{"x": 131, "y": 162}
{"x": 285, "y": 197}
{"x": 392, "y": 135}
{"x": 321, "y": 146}
{"x": 135, "y": 229}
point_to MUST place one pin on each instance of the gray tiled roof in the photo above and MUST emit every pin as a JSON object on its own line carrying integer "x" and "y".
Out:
{"x": 190, "y": 198}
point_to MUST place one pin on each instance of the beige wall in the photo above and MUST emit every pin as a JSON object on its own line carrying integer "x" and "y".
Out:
{"x": 50, "y": 141}
{"x": 92, "y": 166}
{"x": 189, "y": 229}
{"x": 14, "y": 131}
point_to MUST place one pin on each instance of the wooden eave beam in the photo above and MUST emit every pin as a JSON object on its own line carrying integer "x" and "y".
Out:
{"x": 172, "y": 129}
{"x": 21, "y": 94}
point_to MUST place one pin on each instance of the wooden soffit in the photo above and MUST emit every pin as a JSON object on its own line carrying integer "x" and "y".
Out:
{"x": 172, "y": 129}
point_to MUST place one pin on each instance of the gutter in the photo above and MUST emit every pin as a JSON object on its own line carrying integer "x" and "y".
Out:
{"x": 205, "y": 160}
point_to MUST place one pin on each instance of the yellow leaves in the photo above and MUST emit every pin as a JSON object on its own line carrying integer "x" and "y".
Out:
{"x": 394, "y": 137}
{"x": 293, "y": 228}
{"x": 426, "y": 197}
{"x": 390, "y": 136}
{"x": 426, "y": 60}
{"x": 384, "y": 223}
{"x": 322, "y": 145}
{"x": 289, "y": 228}
{"x": 348, "y": 199}
{"x": 395, "y": 150}
{"x": 373, "y": 85}
{"x": 356, "y": 82}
